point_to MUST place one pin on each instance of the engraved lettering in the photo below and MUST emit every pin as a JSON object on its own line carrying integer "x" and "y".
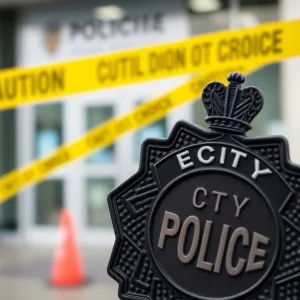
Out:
{"x": 165, "y": 230}
{"x": 184, "y": 162}
{"x": 255, "y": 251}
{"x": 221, "y": 248}
{"x": 238, "y": 155}
{"x": 200, "y": 153}
{"x": 258, "y": 171}
{"x": 190, "y": 221}
{"x": 218, "y": 201}
{"x": 223, "y": 155}
{"x": 240, "y": 232}
{"x": 239, "y": 206}
{"x": 202, "y": 264}
{"x": 195, "y": 197}
{"x": 227, "y": 255}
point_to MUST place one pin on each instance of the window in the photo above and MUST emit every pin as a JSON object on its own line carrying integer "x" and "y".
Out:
{"x": 48, "y": 128}
{"x": 97, "y": 207}
{"x": 49, "y": 202}
{"x": 154, "y": 130}
{"x": 8, "y": 212}
{"x": 96, "y": 115}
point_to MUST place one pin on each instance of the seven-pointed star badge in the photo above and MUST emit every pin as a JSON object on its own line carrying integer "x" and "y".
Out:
{"x": 210, "y": 214}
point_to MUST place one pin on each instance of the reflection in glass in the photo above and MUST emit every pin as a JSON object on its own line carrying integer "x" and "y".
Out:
{"x": 199, "y": 113}
{"x": 48, "y": 128}
{"x": 8, "y": 216}
{"x": 96, "y": 116}
{"x": 154, "y": 130}
{"x": 49, "y": 202}
{"x": 97, "y": 209}
{"x": 8, "y": 209}
{"x": 269, "y": 120}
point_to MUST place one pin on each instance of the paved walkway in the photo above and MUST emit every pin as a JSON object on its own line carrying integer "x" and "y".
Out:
{"x": 24, "y": 273}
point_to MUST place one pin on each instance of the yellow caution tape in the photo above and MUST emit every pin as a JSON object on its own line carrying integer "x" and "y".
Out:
{"x": 259, "y": 45}
{"x": 107, "y": 133}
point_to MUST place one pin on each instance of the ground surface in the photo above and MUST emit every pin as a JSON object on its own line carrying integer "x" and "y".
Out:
{"x": 24, "y": 274}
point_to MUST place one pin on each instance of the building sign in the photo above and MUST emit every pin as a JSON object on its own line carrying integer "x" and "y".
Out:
{"x": 126, "y": 26}
{"x": 68, "y": 31}
{"x": 95, "y": 30}
{"x": 210, "y": 214}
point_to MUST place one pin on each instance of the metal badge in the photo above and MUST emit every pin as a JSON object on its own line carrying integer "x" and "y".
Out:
{"x": 211, "y": 214}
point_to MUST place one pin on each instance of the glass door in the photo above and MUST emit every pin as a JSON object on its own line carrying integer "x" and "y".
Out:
{"x": 100, "y": 174}
{"x": 99, "y": 170}
{"x": 48, "y": 136}
{"x": 41, "y": 130}
{"x": 83, "y": 185}
{"x": 106, "y": 168}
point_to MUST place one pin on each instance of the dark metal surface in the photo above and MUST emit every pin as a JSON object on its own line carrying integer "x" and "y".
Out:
{"x": 210, "y": 214}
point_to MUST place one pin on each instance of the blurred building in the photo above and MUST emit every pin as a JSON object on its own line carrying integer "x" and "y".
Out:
{"x": 40, "y": 32}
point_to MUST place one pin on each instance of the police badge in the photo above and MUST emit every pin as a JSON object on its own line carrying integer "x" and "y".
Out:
{"x": 210, "y": 214}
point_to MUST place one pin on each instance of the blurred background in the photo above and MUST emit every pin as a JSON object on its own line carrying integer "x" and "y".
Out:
{"x": 34, "y": 32}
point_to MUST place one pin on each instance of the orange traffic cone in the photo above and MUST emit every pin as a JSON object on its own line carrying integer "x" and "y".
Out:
{"x": 67, "y": 268}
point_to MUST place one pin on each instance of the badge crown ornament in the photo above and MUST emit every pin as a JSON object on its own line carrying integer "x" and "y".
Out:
{"x": 231, "y": 108}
